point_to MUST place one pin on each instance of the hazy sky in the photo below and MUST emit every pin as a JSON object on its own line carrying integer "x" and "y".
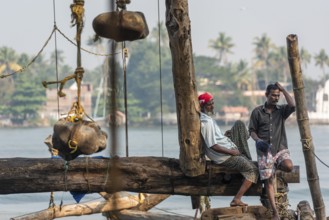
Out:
{"x": 26, "y": 24}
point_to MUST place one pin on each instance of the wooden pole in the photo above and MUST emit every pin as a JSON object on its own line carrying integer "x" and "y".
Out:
{"x": 155, "y": 175}
{"x": 187, "y": 105}
{"x": 304, "y": 128}
{"x": 113, "y": 204}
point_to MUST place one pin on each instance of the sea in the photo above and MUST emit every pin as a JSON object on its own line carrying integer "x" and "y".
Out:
{"x": 154, "y": 141}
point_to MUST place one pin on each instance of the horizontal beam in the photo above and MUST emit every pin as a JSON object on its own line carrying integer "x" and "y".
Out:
{"x": 156, "y": 175}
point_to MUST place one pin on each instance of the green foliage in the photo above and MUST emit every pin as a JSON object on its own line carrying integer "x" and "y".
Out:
{"x": 150, "y": 88}
{"x": 143, "y": 77}
{"x": 27, "y": 100}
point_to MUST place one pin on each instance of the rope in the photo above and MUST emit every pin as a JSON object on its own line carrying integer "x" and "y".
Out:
{"x": 56, "y": 56}
{"x": 55, "y": 28}
{"x": 124, "y": 58}
{"x": 32, "y": 61}
{"x": 66, "y": 167}
{"x": 87, "y": 173}
{"x": 106, "y": 175}
{"x": 160, "y": 73}
{"x": 306, "y": 143}
{"x": 306, "y": 146}
{"x": 90, "y": 52}
{"x": 171, "y": 177}
{"x": 325, "y": 164}
{"x": 282, "y": 205}
{"x": 53, "y": 150}
{"x": 166, "y": 211}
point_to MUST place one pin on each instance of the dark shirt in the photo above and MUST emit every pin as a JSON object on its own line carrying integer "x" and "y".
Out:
{"x": 270, "y": 127}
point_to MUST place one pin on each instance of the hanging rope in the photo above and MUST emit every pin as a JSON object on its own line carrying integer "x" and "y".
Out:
{"x": 55, "y": 28}
{"x": 160, "y": 71}
{"x": 53, "y": 151}
{"x": 124, "y": 57}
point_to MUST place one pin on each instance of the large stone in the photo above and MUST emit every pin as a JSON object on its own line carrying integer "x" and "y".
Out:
{"x": 72, "y": 139}
{"x": 121, "y": 26}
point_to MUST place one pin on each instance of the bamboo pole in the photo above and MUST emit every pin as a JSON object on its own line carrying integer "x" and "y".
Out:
{"x": 304, "y": 128}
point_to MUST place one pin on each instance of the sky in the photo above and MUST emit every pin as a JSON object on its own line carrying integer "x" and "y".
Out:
{"x": 26, "y": 25}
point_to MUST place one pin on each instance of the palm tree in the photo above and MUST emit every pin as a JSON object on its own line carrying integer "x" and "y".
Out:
{"x": 57, "y": 54}
{"x": 322, "y": 60}
{"x": 8, "y": 60}
{"x": 278, "y": 62}
{"x": 305, "y": 57}
{"x": 243, "y": 77}
{"x": 160, "y": 31}
{"x": 263, "y": 45}
{"x": 8, "y": 65}
{"x": 222, "y": 45}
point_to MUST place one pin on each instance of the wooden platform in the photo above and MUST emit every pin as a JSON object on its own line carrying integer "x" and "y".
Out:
{"x": 241, "y": 213}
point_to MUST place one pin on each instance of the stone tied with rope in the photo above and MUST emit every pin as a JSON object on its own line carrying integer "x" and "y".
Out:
{"x": 121, "y": 25}
{"x": 72, "y": 139}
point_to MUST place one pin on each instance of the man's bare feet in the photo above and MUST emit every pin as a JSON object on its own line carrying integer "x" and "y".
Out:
{"x": 276, "y": 217}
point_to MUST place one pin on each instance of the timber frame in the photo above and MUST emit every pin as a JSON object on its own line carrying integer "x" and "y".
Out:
{"x": 190, "y": 175}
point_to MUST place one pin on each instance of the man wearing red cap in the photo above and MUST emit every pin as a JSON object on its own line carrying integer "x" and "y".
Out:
{"x": 222, "y": 150}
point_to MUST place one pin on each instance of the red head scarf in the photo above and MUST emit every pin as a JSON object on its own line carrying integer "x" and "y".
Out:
{"x": 204, "y": 98}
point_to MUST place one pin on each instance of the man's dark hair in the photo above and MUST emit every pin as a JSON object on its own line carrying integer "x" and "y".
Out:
{"x": 271, "y": 87}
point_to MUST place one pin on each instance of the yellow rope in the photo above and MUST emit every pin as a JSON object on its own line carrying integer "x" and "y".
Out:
{"x": 74, "y": 147}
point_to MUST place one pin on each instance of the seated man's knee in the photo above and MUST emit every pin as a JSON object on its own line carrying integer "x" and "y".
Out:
{"x": 286, "y": 166}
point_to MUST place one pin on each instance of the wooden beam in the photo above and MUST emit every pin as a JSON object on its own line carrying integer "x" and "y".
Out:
{"x": 141, "y": 215}
{"x": 117, "y": 202}
{"x": 156, "y": 175}
{"x": 187, "y": 106}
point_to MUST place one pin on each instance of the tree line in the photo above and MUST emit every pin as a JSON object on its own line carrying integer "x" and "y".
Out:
{"x": 150, "y": 88}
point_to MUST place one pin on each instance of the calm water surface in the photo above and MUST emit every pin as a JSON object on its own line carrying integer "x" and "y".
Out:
{"x": 148, "y": 142}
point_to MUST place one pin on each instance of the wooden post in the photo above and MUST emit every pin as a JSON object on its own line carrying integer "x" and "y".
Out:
{"x": 304, "y": 128}
{"x": 187, "y": 105}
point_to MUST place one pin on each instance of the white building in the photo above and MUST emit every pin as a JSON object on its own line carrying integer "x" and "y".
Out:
{"x": 321, "y": 114}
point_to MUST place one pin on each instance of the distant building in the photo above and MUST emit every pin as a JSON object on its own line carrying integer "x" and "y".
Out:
{"x": 50, "y": 110}
{"x": 229, "y": 114}
{"x": 321, "y": 114}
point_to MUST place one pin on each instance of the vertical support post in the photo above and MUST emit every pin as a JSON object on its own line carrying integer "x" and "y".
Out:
{"x": 304, "y": 127}
{"x": 187, "y": 105}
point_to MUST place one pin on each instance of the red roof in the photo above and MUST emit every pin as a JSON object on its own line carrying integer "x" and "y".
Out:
{"x": 235, "y": 109}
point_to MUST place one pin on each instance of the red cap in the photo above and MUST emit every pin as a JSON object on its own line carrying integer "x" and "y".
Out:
{"x": 204, "y": 98}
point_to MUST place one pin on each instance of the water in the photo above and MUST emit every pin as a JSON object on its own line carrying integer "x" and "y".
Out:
{"x": 23, "y": 142}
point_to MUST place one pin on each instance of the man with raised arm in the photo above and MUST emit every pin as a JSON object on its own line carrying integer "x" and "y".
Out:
{"x": 267, "y": 128}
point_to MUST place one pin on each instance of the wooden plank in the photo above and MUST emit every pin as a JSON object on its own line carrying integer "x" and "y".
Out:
{"x": 233, "y": 213}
